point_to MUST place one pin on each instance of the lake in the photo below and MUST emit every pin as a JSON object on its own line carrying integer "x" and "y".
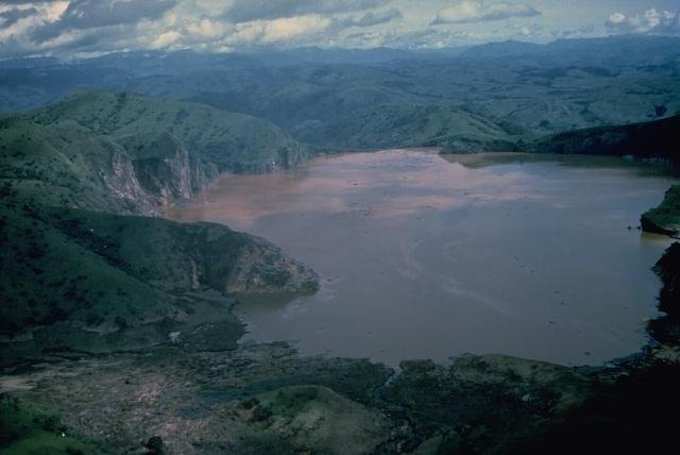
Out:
{"x": 425, "y": 256}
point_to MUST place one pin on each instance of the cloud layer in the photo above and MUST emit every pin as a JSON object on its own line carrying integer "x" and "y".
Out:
{"x": 651, "y": 21}
{"x": 250, "y": 10}
{"x": 473, "y": 11}
{"x": 89, "y": 27}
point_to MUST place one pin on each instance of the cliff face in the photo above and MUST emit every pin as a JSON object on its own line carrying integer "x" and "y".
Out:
{"x": 664, "y": 219}
{"x": 78, "y": 272}
{"x": 129, "y": 154}
{"x": 64, "y": 165}
{"x": 164, "y": 174}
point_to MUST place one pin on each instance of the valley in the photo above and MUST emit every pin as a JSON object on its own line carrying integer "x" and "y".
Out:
{"x": 325, "y": 251}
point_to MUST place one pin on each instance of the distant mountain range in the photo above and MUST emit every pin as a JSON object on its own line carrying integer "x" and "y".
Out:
{"x": 461, "y": 98}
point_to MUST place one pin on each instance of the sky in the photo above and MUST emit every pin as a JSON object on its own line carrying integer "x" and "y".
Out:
{"x": 81, "y": 28}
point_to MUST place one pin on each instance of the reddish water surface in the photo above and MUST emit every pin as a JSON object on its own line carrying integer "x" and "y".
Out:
{"x": 422, "y": 257}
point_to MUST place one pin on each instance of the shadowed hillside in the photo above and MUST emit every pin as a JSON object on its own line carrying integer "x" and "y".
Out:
{"x": 76, "y": 275}
{"x": 657, "y": 140}
{"x": 664, "y": 219}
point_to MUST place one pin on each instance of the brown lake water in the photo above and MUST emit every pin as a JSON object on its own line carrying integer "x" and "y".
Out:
{"x": 424, "y": 257}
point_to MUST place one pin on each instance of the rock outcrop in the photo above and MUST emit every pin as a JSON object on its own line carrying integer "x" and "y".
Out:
{"x": 129, "y": 154}
{"x": 81, "y": 270}
{"x": 665, "y": 219}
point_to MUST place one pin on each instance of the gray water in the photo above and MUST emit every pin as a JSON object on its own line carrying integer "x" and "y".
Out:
{"x": 423, "y": 257}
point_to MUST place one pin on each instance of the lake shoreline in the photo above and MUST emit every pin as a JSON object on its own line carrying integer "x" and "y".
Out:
{"x": 422, "y": 409}
{"x": 409, "y": 221}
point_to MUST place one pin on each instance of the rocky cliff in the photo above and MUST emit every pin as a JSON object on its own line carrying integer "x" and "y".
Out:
{"x": 79, "y": 272}
{"x": 665, "y": 219}
{"x": 128, "y": 154}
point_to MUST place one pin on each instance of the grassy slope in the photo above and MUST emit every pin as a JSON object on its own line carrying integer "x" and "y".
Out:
{"x": 415, "y": 126}
{"x": 231, "y": 141}
{"x": 78, "y": 278}
{"x": 89, "y": 281}
{"x": 59, "y": 165}
{"x": 124, "y": 153}
{"x": 345, "y": 106}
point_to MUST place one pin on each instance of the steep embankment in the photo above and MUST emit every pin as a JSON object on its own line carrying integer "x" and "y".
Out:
{"x": 648, "y": 140}
{"x": 130, "y": 154}
{"x": 79, "y": 273}
{"x": 665, "y": 219}
{"x": 97, "y": 282}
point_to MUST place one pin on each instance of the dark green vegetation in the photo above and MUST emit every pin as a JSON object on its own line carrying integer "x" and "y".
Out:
{"x": 81, "y": 276}
{"x": 667, "y": 328}
{"x": 28, "y": 431}
{"x": 482, "y": 98}
{"x": 665, "y": 219}
{"x": 130, "y": 154}
{"x": 76, "y": 275}
{"x": 94, "y": 282}
{"x": 266, "y": 399}
{"x": 656, "y": 140}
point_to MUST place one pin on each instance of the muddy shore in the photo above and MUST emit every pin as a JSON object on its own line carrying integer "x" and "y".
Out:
{"x": 267, "y": 399}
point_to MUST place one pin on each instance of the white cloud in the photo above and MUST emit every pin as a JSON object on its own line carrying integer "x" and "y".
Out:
{"x": 472, "y": 11}
{"x": 278, "y": 30}
{"x": 250, "y": 10}
{"x": 70, "y": 27}
{"x": 651, "y": 21}
{"x": 370, "y": 18}
{"x": 17, "y": 22}
{"x": 166, "y": 39}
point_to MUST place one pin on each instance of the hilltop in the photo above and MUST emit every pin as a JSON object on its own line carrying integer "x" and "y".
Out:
{"x": 124, "y": 153}
{"x": 460, "y": 99}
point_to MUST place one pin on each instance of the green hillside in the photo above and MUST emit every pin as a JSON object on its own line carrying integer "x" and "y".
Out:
{"x": 452, "y": 129}
{"x": 79, "y": 273}
{"x": 233, "y": 142}
{"x": 95, "y": 282}
{"x": 131, "y": 154}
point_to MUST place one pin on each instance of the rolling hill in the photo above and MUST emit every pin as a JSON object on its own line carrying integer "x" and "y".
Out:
{"x": 79, "y": 272}
{"x": 131, "y": 154}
